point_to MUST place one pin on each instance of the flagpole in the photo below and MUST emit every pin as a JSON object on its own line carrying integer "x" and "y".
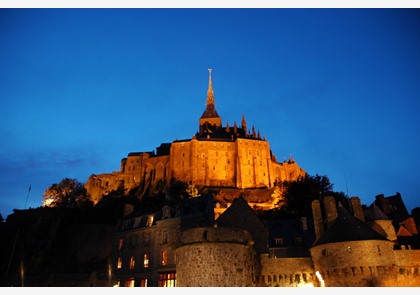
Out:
{"x": 14, "y": 243}
{"x": 27, "y": 196}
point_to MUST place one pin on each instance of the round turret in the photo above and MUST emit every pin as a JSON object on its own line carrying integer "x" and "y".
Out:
{"x": 215, "y": 257}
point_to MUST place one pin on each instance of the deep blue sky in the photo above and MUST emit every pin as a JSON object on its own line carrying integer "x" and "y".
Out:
{"x": 338, "y": 89}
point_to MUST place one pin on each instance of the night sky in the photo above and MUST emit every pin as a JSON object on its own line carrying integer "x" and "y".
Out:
{"x": 336, "y": 89}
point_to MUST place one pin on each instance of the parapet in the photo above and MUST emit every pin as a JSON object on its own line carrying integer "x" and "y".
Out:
{"x": 216, "y": 235}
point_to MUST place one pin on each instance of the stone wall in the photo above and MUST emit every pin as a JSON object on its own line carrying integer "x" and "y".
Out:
{"x": 286, "y": 272}
{"x": 356, "y": 263}
{"x": 214, "y": 257}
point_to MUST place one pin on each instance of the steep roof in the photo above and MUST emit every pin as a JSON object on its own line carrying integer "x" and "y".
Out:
{"x": 373, "y": 212}
{"x": 210, "y": 112}
{"x": 347, "y": 227}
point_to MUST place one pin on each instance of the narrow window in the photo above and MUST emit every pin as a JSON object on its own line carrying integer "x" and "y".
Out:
{"x": 143, "y": 283}
{"x": 120, "y": 244}
{"x": 133, "y": 241}
{"x": 164, "y": 257}
{"x": 150, "y": 221}
{"x": 164, "y": 237}
{"x": 146, "y": 260}
{"x": 129, "y": 282}
{"x": 146, "y": 238}
{"x": 132, "y": 262}
{"x": 119, "y": 263}
{"x": 167, "y": 280}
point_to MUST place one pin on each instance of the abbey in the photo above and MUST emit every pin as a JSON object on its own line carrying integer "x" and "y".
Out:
{"x": 225, "y": 156}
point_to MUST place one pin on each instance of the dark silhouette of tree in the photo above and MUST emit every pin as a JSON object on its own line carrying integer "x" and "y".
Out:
{"x": 300, "y": 194}
{"x": 69, "y": 193}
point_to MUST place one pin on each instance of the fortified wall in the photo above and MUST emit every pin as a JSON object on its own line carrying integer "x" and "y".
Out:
{"x": 215, "y": 257}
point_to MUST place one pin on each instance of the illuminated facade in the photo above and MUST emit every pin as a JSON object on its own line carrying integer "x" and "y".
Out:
{"x": 335, "y": 248}
{"x": 225, "y": 156}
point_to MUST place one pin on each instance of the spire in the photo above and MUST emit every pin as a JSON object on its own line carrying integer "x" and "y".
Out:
{"x": 210, "y": 94}
{"x": 210, "y": 116}
{"x": 243, "y": 123}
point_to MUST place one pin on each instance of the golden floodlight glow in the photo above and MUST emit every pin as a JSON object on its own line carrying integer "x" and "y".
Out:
{"x": 304, "y": 285}
{"x": 318, "y": 275}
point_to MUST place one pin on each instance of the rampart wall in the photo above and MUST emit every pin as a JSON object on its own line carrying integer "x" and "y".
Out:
{"x": 286, "y": 272}
{"x": 215, "y": 257}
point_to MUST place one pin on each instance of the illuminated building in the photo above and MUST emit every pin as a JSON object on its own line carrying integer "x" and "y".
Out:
{"x": 233, "y": 156}
{"x": 333, "y": 248}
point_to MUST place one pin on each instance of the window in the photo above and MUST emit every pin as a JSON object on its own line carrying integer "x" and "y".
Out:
{"x": 146, "y": 238}
{"x": 137, "y": 222}
{"x": 279, "y": 241}
{"x": 298, "y": 241}
{"x": 133, "y": 241}
{"x": 167, "y": 279}
{"x": 166, "y": 213}
{"x": 143, "y": 283}
{"x": 119, "y": 263}
{"x": 129, "y": 282}
{"x": 132, "y": 262}
{"x": 164, "y": 257}
{"x": 146, "y": 260}
{"x": 120, "y": 244}
{"x": 164, "y": 237}
{"x": 150, "y": 221}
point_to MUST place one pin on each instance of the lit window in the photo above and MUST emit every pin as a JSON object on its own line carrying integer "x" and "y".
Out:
{"x": 120, "y": 244}
{"x": 150, "y": 221}
{"x": 119, "y": 263}
{"x": 129, "y": 282}
{"x": 164, "y": 257}
{"x": 143, "y": 283}
{"x": 146, "y": 260}
{"x": 167, "y": 280}
{"x": 278, "y": 241}
{"x": 132, "y": 262}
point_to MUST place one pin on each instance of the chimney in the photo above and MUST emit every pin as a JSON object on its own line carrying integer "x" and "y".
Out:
{"x": 316, "y": 212}
{"x": 330, "y": 209}
{"x": 357, "y": 208}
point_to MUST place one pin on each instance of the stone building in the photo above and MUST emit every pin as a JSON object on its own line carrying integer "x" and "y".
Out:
{"x": 333, "y": 247}
{"x": 144, "y": 245}
{"x": 230, "y": 156}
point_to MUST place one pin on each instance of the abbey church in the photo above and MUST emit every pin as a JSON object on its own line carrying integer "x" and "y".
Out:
{"x": 224, "y": 156}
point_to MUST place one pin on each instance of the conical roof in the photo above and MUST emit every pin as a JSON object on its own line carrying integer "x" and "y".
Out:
{"x": 347, "y": 227}
{"x": 375, "y": 213}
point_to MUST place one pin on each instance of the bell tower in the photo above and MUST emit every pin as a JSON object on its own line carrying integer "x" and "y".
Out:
{"x": 210, "y": 119}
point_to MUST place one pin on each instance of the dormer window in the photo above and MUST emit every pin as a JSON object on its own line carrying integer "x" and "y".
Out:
{"x": 166, "y": 213}
{"x": 150, "y": 221}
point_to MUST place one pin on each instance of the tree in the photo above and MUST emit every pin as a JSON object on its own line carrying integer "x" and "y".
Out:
{"x": 301, "y": 193}
{"x": 68, "y": 193}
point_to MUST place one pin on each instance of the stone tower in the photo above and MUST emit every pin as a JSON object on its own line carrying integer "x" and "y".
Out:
{"x": 215, "y": 257}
